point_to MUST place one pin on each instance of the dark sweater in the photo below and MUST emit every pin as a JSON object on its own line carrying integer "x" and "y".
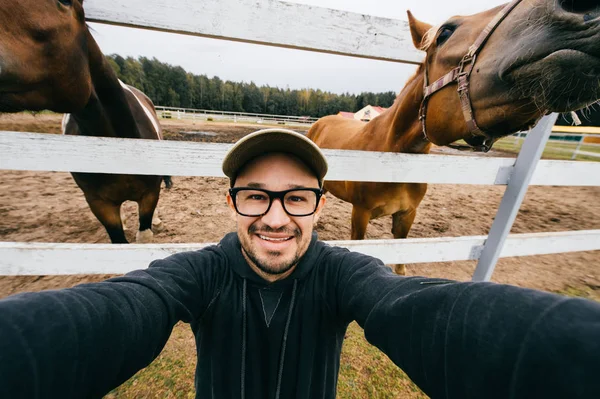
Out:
{"x": 283, "y": 340}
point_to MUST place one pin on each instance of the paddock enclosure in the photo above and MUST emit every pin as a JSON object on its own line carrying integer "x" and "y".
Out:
{"x": 559, "y": 215}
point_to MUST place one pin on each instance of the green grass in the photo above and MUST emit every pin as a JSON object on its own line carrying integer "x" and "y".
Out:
{"x": 587, "y": 292}
{"x": 553, "y": 150}
{"x": 365, "y": 372}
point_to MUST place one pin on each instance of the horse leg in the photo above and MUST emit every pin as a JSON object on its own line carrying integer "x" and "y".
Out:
{"x": 123, "y": 216}
{"x": 401, "y": 223}
{"x": 146, "y": 207}
{"x": 360, "y": 221}
{"x": 109, "y": 215}
{"x": 156, "y": 221}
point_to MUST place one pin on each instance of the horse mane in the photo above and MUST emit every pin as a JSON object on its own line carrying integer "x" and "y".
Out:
{"x": 409, "y": 81}
{"x": 428, "y": 37}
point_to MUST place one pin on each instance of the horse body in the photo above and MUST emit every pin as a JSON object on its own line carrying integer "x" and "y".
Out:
{"x": 396, "y": 130}
{"x": 541, "y": 56}
{"x": 49, "y": 60}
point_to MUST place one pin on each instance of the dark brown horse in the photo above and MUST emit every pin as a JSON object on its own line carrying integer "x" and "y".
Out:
{"x": 510, "y": 65}
{"x": 49, "y": 60}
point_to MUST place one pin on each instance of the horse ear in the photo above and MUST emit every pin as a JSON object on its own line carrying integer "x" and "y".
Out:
{"x": 418, "y": 30}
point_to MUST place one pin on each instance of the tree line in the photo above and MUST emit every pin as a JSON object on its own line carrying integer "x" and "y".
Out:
{"x": 172, "y": 86}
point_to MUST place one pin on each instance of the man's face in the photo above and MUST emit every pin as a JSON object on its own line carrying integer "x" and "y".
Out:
{"x": 275, "y": 242}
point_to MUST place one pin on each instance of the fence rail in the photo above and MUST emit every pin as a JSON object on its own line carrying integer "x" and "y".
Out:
{"x": 282, "y": 24}
{"x": 20, "y": 258}
{"x": 52, "y": 152}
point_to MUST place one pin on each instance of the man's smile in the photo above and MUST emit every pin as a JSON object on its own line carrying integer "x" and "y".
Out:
{"x": 274, "y": 242}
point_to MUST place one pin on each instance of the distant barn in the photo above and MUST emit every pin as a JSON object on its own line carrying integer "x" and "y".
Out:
{"x": 366, "y": 114}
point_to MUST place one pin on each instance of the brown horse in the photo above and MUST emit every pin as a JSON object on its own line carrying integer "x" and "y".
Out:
{"x": 510, "y": 65}
{"x": 49, "y": 60}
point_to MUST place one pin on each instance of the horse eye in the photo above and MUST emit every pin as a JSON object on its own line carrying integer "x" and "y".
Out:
{"x": 444, "y": 33}
{"x": 66, "y": 2}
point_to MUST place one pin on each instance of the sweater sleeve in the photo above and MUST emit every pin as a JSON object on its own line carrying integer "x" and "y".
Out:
{"x": 475, "y": 340}
{"x": 84, "y": 341}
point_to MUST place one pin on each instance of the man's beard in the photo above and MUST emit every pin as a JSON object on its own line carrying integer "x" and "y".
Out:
{"x": 276, "y": 269}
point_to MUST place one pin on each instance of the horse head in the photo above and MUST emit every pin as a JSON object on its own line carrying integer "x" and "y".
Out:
{"x": 43, "y": 55}
{"x": 541, "y": 56}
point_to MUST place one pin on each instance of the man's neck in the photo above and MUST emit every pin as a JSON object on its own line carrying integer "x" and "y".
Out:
{"x": 271, "y": 278}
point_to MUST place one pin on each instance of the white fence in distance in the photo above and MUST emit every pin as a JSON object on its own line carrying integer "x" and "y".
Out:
{"x": 572, "y": 142}
{"x": 232, "y": 116}
{"x": 286, "y": 25}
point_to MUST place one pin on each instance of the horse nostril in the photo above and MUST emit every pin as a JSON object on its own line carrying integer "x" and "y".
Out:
{"x": 580, "y": 6}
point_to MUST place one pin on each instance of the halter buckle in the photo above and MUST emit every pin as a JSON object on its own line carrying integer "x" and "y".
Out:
{"x": 468, "y": 59}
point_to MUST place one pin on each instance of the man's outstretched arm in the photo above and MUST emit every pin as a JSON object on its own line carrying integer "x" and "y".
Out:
{"x": 478, "y": 340}
{"x": 84, "y": 341}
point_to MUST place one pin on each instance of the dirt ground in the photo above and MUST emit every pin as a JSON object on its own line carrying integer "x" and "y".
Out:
{"x": 49, "y": 207}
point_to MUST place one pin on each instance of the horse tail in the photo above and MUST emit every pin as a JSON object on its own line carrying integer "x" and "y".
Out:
{"x": 168, "y": 181}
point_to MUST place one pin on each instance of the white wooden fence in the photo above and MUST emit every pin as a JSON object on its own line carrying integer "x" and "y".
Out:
{"x": 301, "y": 27}
{"x": 232, "y": 116}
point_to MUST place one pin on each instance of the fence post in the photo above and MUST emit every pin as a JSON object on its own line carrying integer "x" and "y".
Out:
{"x": 530, "y": 153}
{"x": 581, "y": 139}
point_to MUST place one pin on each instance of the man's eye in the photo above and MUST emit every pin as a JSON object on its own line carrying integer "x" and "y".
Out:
{"x": 257, "y": 197}
{"x": 296, "y": 199}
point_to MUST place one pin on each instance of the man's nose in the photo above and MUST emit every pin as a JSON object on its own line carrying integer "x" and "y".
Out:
{"x": 276, "y": 217}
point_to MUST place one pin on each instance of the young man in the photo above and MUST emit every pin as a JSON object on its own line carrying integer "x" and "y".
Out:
{"x": 270, "y": 304}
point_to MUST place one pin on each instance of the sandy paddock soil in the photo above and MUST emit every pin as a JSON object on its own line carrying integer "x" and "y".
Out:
{"x": 49, "y": 207}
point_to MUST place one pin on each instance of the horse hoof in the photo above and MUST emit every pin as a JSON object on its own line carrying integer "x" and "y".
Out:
{"x": 144, "y": 237}
{"x": 157, "y": 224}
{"x": 400, "y": 270}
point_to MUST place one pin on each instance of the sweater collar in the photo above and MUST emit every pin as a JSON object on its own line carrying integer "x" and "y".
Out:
{"x": 233, "y": 251}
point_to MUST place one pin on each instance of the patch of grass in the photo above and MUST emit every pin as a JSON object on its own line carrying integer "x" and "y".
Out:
{"x": 365, "y": 372}
{"x": 586, "y": 292}
{"x": 169, "y": 376}
{"x": 553, "y": 150}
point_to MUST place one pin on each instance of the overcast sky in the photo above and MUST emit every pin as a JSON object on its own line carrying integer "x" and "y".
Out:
{"x": 287, "y": 68}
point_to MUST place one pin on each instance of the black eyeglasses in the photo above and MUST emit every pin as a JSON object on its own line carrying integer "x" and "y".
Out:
{"x": 250, "y": 201}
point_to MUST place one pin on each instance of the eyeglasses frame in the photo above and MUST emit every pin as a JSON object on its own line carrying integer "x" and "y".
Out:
{"x": 273, "y": 195}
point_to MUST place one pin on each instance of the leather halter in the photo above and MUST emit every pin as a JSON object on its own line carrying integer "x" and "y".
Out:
{"x": 461, "y": 75}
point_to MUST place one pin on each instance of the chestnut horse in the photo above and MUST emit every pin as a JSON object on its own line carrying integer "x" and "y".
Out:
{"x": 510, "y": 65}
{"x": 49, "y": 60}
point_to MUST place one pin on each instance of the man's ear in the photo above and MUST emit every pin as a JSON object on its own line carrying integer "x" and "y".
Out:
{"x": 232, "y": 213}
{"x": 320, "y": 207}
{"x": 418, "y": 30}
